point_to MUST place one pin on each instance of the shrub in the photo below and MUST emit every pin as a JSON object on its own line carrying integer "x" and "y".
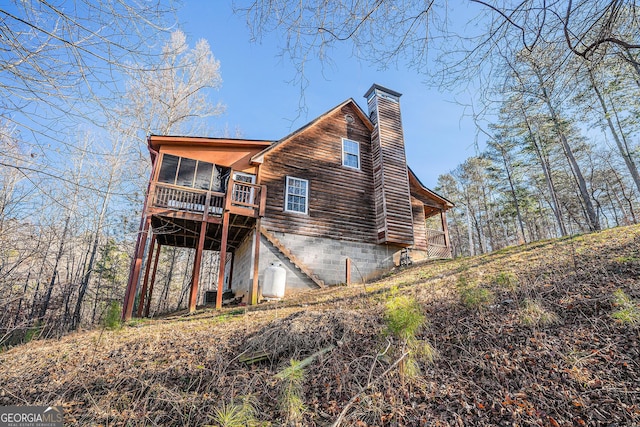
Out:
{"x": 628, "y": 311}
{"x": 291, "y": 400}
{"x": 234, "y": 414}
{"x": 32, "y": 333}
{"x": 111, "y": 320}
{"x": 425, "y": 351}
{"x": 475, "y": 297}
{"x": 229, "y": 416}
{"x": 506, "y": 280}
{"x": 404, "y": 318}
{"x": 533, "y": 313}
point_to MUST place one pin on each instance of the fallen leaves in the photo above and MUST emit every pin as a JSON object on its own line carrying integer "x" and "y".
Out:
{"x": 492, "y": 369}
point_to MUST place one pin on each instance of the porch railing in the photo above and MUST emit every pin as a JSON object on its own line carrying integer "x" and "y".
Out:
{"x": 192, "y": 200}
{"x": 245, "y": 195}
{"x": 437, "y": 244}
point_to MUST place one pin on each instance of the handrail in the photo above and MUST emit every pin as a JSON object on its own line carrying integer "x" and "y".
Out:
{"x": 180, "y": 187}
{"x": 241, "y": 194}
{"x": 436, "y": 237}
{"x": 246, "y": 194}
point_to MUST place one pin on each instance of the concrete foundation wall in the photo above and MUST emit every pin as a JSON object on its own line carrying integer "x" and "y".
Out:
{"x": 242, "y": 265}
{"x": 326, "y": 258}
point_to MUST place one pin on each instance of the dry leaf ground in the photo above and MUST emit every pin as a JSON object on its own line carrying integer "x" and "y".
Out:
{"x": 523, "y": 336}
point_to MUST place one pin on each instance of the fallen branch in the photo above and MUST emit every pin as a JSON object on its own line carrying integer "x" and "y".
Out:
{"x": 304, "y": 362}
{"x": 367, "y": 387}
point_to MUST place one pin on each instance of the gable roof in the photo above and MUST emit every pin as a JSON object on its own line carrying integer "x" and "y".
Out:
{"x": 417, "y": 185}
{"x": 259, "y": 158}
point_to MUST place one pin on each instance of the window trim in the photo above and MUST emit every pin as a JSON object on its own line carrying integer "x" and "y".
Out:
{"x": 359, "y": 155}
{"x": 286, "y": 195}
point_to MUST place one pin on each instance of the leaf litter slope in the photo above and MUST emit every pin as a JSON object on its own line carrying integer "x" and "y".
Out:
{"x": 523, "y": 336}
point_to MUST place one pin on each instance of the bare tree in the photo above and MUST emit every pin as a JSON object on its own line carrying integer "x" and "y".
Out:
{"x": 586, "y": 26}
{"x": 67, "y": 56}
{"x": 86, "y": 64}
{"x": 167, "y": 96}
{"x": 62, "y": 70}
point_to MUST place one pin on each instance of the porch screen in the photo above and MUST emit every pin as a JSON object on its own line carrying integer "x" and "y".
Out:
{"x": 193, "y": 173}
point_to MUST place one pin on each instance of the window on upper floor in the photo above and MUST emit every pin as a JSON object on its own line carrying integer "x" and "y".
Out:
{"x": 296, "y": 195}
{"x": 192, "y": 173}
{"x": 350, "y": 153}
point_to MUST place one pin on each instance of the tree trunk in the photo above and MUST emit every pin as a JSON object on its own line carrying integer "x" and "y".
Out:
{"x": 52, "y": 282}
{"x": 613, "y": 206}
{"x": 591, "y": 216}
{"x": 165, "y": 291}
{"x": 84, "y": 284}
{"x": 472, "y": 249}
{"x": 96, "y": 298}
{"x": 489, "y": 218}
{"x": 625, "y": 196}
{"x": 512, "y": 189}
{"x": 620, "y": 139}
{"x": 634, "y": 64}
{"x": 555, "y": 206}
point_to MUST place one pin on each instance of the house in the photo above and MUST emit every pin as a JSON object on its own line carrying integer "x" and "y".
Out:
{"x": 332, "y": 199}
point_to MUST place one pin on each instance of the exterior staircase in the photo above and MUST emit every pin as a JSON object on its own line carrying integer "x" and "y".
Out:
{"x": 291, "y": 257}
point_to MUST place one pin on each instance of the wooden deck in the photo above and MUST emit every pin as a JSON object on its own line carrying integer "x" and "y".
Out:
{"x": 242, "y": 198}
{"x": 176, "y": 213}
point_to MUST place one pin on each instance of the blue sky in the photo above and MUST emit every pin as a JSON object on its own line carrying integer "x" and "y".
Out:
{"x": 262, "y": 103}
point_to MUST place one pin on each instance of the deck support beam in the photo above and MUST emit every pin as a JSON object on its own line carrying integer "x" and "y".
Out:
{"x": 348, "y": 271}
{"x": 443, "y": 220}
{"x": 197, "y": 262}
{"x": 223, "y": 258}
{"x": 253, "y": 298}
{"x": 145, "y": 281}
{"x": 153, "y": 279}
{"x": 136, "y": 265}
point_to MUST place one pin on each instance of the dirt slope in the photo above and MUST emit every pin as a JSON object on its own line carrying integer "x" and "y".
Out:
{"x": 524, "y": 336}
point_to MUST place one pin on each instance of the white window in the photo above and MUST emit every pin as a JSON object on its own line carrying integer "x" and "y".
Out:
{"x": 350, "y": 153}
{"x": 244, "y": 177}
{"x": 296, "y": 195}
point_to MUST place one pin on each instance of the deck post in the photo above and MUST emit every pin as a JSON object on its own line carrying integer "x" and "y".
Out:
{"x": 223, "y": 258}
{"x": 134, "y": 273}
{"x": 253, "y": 298}
{"x": 232, "y": 256}
{"x": 145, "y": 281}
{"x": 443, "y": 220}
{"x": 197, "y": 262}
{"x": 153, "y": 279}
{"x": 348, "y": 271}
{"x": 263, "y": 200}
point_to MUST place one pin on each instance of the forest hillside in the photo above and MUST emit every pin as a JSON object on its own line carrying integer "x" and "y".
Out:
{"x": 540, "y": 334}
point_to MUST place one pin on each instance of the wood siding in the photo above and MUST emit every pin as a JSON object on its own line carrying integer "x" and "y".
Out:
{"x": 379, "y": 200}
{"x": 341, "y": 202}
{"x": 419, "y": 227}
{"x": 393, "y": 205}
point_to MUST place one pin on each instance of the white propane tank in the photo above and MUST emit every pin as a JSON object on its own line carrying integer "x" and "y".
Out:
{"x": 275, "y": 278}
